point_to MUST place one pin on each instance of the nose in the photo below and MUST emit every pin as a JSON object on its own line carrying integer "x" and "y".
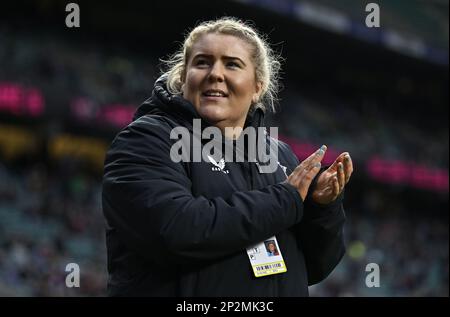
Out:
{"x": 216, "y": 73}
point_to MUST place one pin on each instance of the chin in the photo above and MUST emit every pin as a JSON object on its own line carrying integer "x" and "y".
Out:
{"x": 213, "y": 113}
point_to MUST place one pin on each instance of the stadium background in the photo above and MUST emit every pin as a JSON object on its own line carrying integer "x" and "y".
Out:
{"x": 379, "y": 93}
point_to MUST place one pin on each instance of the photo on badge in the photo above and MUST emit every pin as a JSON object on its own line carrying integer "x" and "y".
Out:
{"x": 271, "y": 248}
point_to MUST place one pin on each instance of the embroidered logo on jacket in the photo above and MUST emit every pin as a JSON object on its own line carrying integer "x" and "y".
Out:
{"x": 218, "y": 166}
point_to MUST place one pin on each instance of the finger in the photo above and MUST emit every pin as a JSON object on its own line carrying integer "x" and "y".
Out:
{"x": 334, "y": 177}
{"x": 339, "y": 159}
{"x": 309, "y": 174}
{"x": 307, "y": 165}
{"x": 317, "y": 156}
{"x": 341, "y": 176}
{"x": 335, "y": 187}
{"x": 348, "y": 167}
{"x": 296, "y": 176}
{"x": 310, "y": 161}
{"x": 306, "y": 179}
{"x": 316, "y": 159}
{"x": 302, "y": 173}
{"x": 342, "y": 156}
{"x": 294, "y": 179}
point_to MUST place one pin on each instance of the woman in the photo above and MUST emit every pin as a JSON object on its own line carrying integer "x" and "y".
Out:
{"x": 193, "y": 228}
{"x": 272, "y": 249}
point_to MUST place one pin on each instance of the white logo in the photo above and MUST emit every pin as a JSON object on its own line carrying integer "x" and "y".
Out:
{"x": 218, "y": 167}
{"x": 251, "y": 146}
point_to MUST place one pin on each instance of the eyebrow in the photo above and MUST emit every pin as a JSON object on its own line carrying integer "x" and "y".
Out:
{"x": 225, "y": 57}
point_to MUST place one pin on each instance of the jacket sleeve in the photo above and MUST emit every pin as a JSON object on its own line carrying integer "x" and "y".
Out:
{"x": 320, "y": 232}
{"x": 147, "y": 199}
{"x": 321, "y": 237}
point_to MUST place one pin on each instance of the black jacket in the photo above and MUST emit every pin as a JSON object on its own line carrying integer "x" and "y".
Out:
{"x": 181, "y": 229}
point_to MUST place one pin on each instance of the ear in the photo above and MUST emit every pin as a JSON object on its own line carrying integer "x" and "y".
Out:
{"x": 258, "y": 91}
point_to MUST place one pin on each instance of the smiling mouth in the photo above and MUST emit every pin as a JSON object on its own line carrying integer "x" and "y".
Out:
{"x": 212, "y": 93}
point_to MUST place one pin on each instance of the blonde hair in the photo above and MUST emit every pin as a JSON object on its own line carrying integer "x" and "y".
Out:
{"x": 267, "y": 63}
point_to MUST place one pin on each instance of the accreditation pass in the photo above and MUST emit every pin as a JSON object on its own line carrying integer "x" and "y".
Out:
{"x": 265, "y": 258}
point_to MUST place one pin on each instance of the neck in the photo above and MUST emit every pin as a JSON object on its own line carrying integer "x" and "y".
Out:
{"x": 230, "y": 131}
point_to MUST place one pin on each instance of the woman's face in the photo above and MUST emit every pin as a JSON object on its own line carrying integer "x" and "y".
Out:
{"x": 271, "y": 247}
{"x": 220, "y": 79}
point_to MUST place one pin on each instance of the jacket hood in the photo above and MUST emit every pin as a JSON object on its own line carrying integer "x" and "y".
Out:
{"x": 163, "y": 102}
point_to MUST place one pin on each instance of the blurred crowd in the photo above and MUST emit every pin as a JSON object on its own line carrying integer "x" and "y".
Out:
{"x": 409, "y": 247}
{"x": 363, "y": 130}
{"x": 81, "y": 69}
{"x": 50, "y": 217}
{"x": 50, "y": 211}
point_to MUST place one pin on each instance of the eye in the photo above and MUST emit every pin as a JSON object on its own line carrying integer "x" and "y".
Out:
{"x": 233, "y": 65}
{"x": 201, "y": 62}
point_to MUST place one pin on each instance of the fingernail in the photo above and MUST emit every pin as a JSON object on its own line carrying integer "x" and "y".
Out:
{"x": 341, "y": 167}
{"x": 317, "y": 165}
{"x": 322, "y": 150}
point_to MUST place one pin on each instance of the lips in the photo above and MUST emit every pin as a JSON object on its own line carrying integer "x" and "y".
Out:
{"x": 217, "y": 93}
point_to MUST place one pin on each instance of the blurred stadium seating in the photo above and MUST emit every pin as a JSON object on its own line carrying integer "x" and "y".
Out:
{"x": 64, "y": 94}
